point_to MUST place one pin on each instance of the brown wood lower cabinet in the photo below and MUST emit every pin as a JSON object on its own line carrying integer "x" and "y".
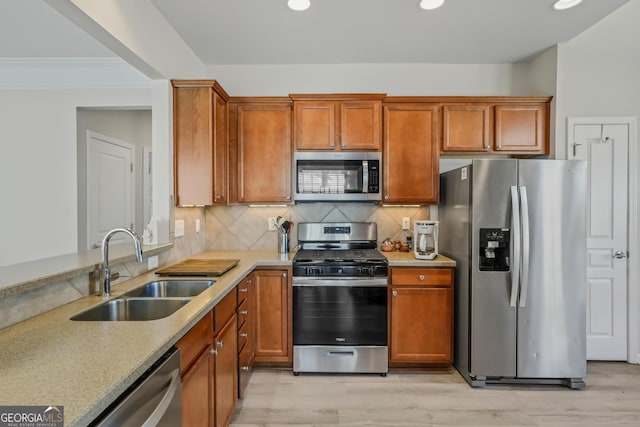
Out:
{"x": 246, "y": 332}
{"x": 226, "y": 372}
{"x": 421, "y": 317}
{"x": 196, "y": 368}
{"x": 196, "y": 387}
{"x": 208, "y": 365}
{"x": 273, "y": 311}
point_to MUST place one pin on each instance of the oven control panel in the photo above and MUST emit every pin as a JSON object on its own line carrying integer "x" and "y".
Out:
{"x": 340, "y": 270}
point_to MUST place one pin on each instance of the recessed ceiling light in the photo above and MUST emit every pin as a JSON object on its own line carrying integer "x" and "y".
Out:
{"x": 299, "y": 5}
{"x": 430, "y": 4}
{"x": 565, "y": 4}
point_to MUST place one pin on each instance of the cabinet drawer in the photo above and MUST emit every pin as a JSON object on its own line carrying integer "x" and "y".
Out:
{"x": 244, "y": 370}
{"x": 243, "y": 290}
{"x": 243, "y": 335}
{"x": 243, "y": 313}
{"x": 421, "y": 276}
{"x": 225, "y": 308}
{"x": 195, "y": 341}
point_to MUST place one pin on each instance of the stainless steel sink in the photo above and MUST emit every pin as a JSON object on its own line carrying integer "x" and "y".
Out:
{"x": 132, "y": 309}
{"x": 171, "y": 288}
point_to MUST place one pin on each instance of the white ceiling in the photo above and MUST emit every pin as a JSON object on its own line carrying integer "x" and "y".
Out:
{"x": 330, "y": 32}
{"x": 376, "y": 31}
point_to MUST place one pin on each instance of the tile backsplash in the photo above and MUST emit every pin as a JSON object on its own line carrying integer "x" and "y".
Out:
{"x": 243, "y": 227}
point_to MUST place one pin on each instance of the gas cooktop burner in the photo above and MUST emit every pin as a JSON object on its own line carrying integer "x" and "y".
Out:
{"x": 338, "y": 255}
{"x": 338, "y": 250}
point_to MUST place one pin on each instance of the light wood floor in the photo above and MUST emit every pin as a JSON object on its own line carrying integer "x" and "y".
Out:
{"x": 277, "y": 398}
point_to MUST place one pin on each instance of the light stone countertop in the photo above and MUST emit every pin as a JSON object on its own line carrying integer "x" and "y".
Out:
{"x": 85, "y": 366}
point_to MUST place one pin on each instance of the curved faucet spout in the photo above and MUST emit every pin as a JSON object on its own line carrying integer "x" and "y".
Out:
{"x": 105, "y": 289}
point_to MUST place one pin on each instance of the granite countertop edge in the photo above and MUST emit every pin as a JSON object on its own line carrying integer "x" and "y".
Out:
{"x": 85, "y": 366}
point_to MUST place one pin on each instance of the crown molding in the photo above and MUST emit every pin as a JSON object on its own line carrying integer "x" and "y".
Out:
{"x": 69, "y": 73}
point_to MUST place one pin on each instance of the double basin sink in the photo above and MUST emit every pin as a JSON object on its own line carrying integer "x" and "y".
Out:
{"x": 151, "y": 301}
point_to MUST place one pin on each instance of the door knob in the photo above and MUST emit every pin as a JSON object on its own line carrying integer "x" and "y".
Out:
{"x": 619, "y": 254}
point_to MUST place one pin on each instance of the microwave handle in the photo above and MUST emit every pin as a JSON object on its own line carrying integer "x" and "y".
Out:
{"x": 365, "y": 176}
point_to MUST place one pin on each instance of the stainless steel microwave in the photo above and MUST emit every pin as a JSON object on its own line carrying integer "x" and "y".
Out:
{"x": 337, "y": 176}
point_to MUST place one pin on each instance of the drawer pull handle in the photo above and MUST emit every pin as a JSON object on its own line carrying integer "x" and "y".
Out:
{"x": 244, "y": 312}
{"x": 245, "y": 368}
{"x": 249, "y": 281}
{"x": 244, "y": 290}
{"x": 245, "y": 335}
{"x": 219, "y": 343}
{"x": 214, "y": 351}
{"x": 421, "y": 277}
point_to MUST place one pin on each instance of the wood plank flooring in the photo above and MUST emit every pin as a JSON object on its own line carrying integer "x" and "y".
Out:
{"x": 277, "y": 398}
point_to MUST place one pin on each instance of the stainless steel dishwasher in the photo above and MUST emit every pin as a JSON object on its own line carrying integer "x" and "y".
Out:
{"x": 154, "y": 400}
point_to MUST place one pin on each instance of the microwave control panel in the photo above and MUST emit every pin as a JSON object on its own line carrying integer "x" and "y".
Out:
{"x": 373, "y": 167}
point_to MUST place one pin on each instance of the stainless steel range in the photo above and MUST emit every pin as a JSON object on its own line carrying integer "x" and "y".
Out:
{"x": 339, "y": 299}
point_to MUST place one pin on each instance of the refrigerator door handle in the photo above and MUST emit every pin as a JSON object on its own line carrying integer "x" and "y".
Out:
{"x": 515, "y": 236}
{"x": 525, "y": 246}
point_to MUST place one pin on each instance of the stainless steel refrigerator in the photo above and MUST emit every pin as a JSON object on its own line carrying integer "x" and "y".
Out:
{"x": 516, "y": 229}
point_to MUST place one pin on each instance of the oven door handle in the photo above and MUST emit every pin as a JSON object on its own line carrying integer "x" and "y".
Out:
{"x": 350, "y": 282}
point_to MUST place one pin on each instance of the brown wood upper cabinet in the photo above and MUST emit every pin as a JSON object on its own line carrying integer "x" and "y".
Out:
{"x": 466, "y": 127}
{"x": 337, "y": 122}
{"x": 522, "y": 128}
{"x": 260, "y": 152}
{"x": 507, "y": 125}
{"x": 200, "y": 142}
{"x": 410, "y": 156}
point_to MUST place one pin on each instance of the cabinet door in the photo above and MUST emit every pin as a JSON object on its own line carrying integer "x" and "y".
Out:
{"x": 272, "y": 316}
{"x": 411, "y": 155}
{"x": 421, "y": 325}
{"x": 263, "y": 153}
{"x": 193, "y": 151}
{"x": 226, "y": 372}
{"x": 466, "y": 127}
{"x": 360, "y": 125}
{"x": 197, "y": 400}
{"x": 315, "y": 125}
{"x": 521, "y": 128}
{"x": 219, "y": 150}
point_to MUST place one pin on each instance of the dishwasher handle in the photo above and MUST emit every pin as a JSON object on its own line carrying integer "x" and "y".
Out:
{"x": 160, "y": 410}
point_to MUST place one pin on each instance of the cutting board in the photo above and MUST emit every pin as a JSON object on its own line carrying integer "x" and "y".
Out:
{"x": 199, "y": 267}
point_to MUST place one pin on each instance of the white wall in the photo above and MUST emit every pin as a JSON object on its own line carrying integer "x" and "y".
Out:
{"x": 38, "y": 177}
{"x": 392, "y": 79}
{"x": 599, "y": 75}
{"x": 599, "y": 71}
{"x": 131, "y": 126}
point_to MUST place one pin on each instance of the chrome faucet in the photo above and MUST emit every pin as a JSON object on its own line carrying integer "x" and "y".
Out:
{"x": 105, "y": 285}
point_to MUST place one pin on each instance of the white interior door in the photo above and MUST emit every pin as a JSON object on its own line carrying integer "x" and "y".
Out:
{"x": 110, "y": 183}
{"x": 606, "y": 147}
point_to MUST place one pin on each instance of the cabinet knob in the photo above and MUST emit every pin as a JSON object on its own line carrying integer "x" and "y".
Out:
{"x": 244, "y": 368}
{"x": 394, "y": 293}
{"x": 243, "y": 312}
{"x": 245, "y": 335}
{"x": 343, "y": 145}
{"x": 214, "y": 351}
{"x": 288, "y": 198}
{"x": 219, "y": 343}
{"x": 386, "y": 197}
{"x": 421, "y": 277}
{"x": 249, "y": 281}
{"x": 218, "y": 197}
{"x": 284, "y": 274}
{"x": 243, "y": 290}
